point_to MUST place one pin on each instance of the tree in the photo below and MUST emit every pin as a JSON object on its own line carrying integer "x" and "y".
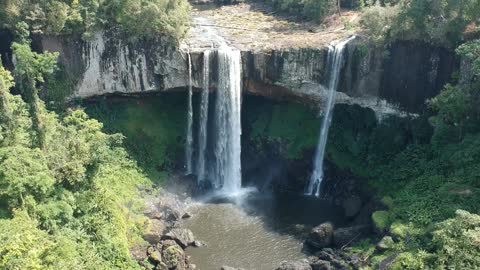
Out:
{"x": 30, "y": 70}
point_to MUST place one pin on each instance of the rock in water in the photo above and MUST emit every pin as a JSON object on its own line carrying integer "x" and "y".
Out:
{"x": 184, "y": 237}
{"x": 300, "y": 265}
{"x": 321, "y": 236}
{"x": 225, "y": 267}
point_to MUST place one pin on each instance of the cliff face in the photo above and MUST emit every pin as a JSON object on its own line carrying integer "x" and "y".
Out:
{"x": 397, "y": 80}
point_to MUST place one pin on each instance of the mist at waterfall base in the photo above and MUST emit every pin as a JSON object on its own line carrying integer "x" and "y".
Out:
{"x": 334, "y": 65}
{"x": 259, "y": 232}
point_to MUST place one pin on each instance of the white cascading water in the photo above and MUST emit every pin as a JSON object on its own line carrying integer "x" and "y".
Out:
{"x": 334, "y": 63}
{"x": 189, "y": 146}
{"x": 203, "y": 126}
{"x": 227, "y": 169}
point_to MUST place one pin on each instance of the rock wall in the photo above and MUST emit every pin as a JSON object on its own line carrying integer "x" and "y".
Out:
{"x": 397, "y": 80}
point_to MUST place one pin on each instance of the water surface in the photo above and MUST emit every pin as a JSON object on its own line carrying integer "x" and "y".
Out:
{"x": 255, "y": 232}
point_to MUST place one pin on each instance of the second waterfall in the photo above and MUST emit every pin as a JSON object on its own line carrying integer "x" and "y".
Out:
{"x": 334, "y": 64}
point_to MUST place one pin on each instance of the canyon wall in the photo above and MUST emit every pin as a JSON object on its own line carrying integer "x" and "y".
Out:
{"x": 388, "y": 80}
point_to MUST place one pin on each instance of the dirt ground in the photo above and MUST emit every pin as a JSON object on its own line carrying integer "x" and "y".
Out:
{"x": 255, "y": 26}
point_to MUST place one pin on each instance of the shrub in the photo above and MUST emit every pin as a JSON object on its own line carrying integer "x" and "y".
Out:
{"x": 381, "y": 220}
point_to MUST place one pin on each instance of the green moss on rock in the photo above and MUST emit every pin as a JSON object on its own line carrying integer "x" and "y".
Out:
{"x": 381, "y": 220}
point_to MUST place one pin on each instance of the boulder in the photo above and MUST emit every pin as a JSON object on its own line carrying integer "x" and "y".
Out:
{"x": 225, "y": 267}
{"x": 155, "y": 256}
{"x": 385, "y": 244}
{"x": 321, "y": 265}
{"x": 352, "y": 206}
{"x": 138, "y": 253}
{"x": 320, "y": 236}
{"x": 336, "y": 261}
{"x": 173, "y": 256}
{"x": 154, "y": 231}
{"x": 184, "y": 237}
{"x": 198, "y": 244}
{"x": 344, "y": 236}
{"x": 299, "y": 265}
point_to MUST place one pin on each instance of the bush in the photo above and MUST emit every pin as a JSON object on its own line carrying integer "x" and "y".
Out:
{"x": 377, "y": 20}
{"x": 457, "y": 242}
{"x": 381, "y": 220}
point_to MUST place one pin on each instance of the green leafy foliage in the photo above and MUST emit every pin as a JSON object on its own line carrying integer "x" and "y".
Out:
{"x": 141, "y": 19}
{"x": 154, "y": 128}
{"x": 72, "y": 204}
{"x": 439, "y": 22}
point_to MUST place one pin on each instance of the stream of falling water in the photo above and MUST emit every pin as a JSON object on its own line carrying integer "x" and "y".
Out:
{"x": 203, "y": 127}
{"x": 189, "y": 146}
{"x": 334, "y": 64}
{"x": 227, "y": 169}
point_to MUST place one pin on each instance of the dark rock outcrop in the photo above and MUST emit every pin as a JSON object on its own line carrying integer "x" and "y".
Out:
{"x": 184, "y": 237}
{"x": 321, "y": 236}
{"x": 299, "y": 265}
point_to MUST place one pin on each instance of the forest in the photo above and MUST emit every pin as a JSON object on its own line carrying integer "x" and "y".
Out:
{"x": 73, "y": 189}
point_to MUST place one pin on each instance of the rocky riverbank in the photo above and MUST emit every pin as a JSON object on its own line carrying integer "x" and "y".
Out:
{"x": 167, "y": 239}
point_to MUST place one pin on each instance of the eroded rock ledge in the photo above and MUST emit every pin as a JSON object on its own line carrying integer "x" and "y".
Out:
{"x": 391, "y": 81}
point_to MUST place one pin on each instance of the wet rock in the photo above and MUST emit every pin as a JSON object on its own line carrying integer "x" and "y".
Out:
{"x": 186, "y": 215}
{"x": 155, "y": 256}
{"x": 336, "y": 261}
{"x": 385, "y": 244}
{"x": 320, "y": 236}
{"x": 225, "y": 267}
{"x": 161, "y": 266}
{"x": 347, "y": 235}
{"x": 184, "y": 237}
{"x": 299, "y": 265}
{"x": 173, "y": 256}
{"x": 321, "y": 265}
{"x": 154, "y": 230}
{"x": 352, "y": 206}
{"x": 326, "y": 254}
{"x": 197, "y": 244}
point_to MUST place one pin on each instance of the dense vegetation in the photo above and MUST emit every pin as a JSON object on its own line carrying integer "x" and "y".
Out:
{"x": 426, "y": 172}
{"x": 140, "y": 19}
{"x": 309, "y": 9}
{"x": 441, "y": 22}
{"x": 69, "y": 194}
{"x": 154, "y": 128}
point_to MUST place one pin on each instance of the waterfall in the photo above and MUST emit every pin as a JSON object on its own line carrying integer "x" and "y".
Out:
{"x": 189, "y": 146}
{"x": 227, "y": 169}
{"x": 334, "y": 64}
{"x": 202, "y": 132}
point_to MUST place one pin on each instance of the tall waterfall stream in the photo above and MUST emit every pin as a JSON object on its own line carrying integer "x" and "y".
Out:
{"x": 334, "y": 64}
